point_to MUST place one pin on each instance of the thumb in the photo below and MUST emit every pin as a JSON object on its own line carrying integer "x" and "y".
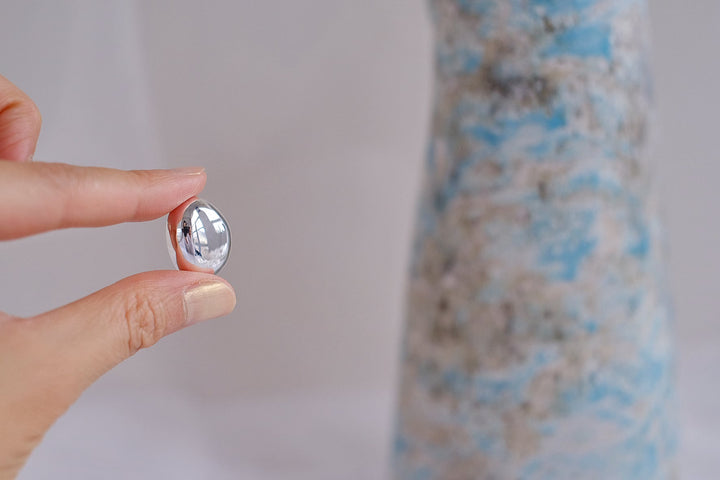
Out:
{"x": 48, "y": 360}
{"x": 92, "y": 335}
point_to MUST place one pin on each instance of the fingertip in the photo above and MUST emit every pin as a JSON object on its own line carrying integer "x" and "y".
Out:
{"x": 189, "y": 181}
{"x": 188, "y": 171}
{"x": 208, "y": 300}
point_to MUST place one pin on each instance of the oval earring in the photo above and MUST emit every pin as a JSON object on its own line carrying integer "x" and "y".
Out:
{"x": 199, "y": 237}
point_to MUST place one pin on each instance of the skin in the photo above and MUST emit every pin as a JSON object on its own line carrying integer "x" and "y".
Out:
{"x": 48, "y": 360}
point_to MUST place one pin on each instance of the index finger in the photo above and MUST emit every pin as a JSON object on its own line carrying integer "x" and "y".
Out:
{"x": 36, "y": 196}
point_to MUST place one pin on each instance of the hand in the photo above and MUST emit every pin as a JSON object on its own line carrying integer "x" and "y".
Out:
{"x": 48, "y": 360}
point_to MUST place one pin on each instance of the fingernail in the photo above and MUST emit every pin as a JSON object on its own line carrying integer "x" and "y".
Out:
{"x": 187, "y": 170}
{"x": 208, "y": 300}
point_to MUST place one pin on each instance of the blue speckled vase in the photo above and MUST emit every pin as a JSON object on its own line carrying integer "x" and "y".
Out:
{"x": 537, "y": 341}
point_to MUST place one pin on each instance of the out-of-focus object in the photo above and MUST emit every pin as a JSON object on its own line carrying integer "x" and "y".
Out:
{"x": 199, "y": 237}
{"x": 537, "y": 342}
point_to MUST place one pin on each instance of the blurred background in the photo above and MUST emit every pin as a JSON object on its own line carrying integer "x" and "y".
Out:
{"x": 311, "y": 119}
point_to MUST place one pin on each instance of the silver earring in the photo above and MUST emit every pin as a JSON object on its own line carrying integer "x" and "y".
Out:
{"x": 199, "y": 237}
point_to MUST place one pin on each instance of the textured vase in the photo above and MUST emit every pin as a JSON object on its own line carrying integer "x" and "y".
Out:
{"x": 537, "y": 340}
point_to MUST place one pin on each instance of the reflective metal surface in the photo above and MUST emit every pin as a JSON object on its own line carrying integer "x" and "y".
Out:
{"x": 199, "y": 237}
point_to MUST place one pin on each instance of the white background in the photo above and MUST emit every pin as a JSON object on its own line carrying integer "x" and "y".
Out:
{"x": 311, "y": 119}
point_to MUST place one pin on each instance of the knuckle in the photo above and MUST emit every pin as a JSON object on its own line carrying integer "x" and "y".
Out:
{"x": 23, "y": 107}
{"x": 59, "y": 180}
{"x": 145, "y": 322}
{"x": 64, "y": 182}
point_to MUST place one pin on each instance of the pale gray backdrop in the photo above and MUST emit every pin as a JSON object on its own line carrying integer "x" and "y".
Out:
{"x": 310, "y": 117}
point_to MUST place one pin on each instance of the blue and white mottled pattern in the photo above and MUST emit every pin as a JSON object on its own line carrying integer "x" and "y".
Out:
{"x": 537, "y": 340}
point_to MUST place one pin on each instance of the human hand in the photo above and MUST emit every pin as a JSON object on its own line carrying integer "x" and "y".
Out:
{"x": 46, "y": 361}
